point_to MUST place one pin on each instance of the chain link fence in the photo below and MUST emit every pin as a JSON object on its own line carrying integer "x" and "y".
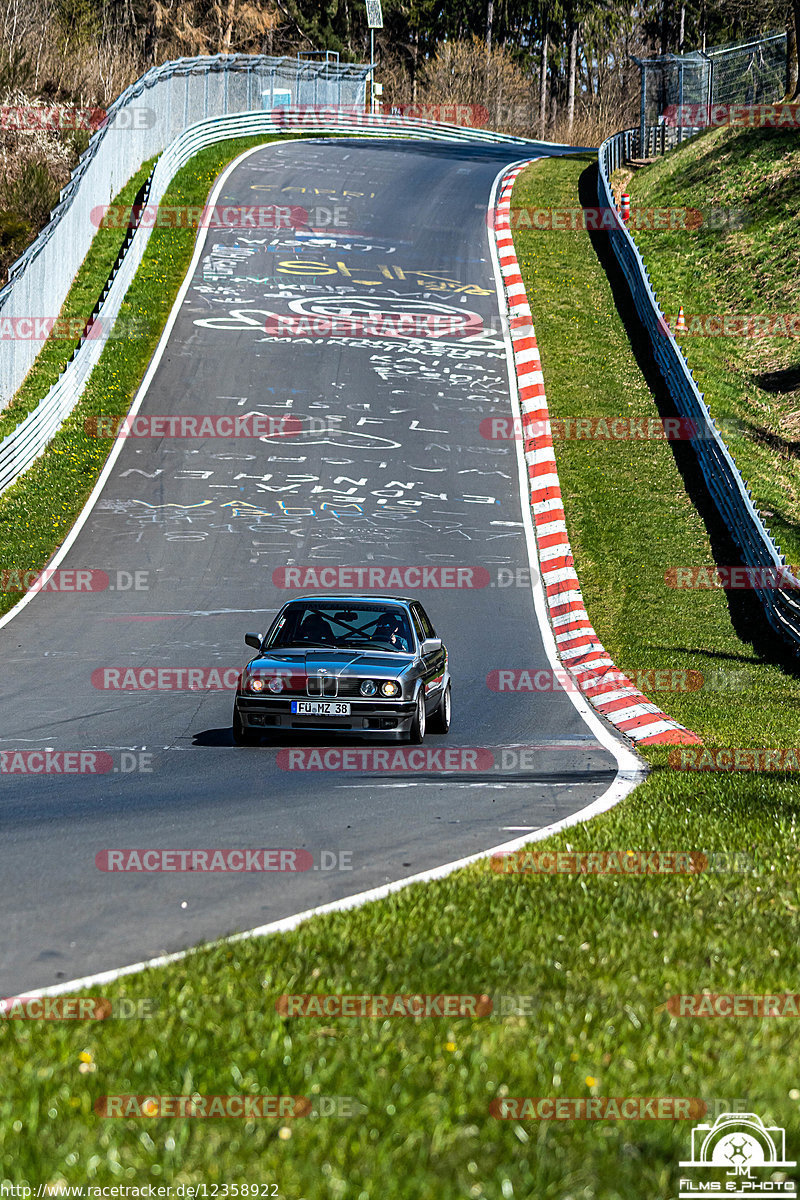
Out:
{"x": 140, "y": 124}
{"x": 674, "y": 87}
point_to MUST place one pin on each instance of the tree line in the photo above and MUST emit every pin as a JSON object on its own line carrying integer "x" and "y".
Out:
{"x": 561, "y": 56}
{"x": 560, "y": 69}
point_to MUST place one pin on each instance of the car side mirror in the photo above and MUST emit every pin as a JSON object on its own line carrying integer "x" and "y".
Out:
{"x": 430, "y": 645}
{"x": 252, "y": 639}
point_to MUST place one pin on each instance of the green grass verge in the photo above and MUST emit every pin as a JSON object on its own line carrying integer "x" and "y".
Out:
{"x": 37, "y": 512}
{"x": 599, "y": 955}
{"x": 754, "y": 383}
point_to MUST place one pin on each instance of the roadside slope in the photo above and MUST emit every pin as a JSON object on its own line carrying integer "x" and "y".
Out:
{"x": 629, "y": 516}
{"x": 742, "y": 260}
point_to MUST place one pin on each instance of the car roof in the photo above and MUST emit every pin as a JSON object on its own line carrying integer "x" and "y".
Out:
{"x": 349, "y": 597}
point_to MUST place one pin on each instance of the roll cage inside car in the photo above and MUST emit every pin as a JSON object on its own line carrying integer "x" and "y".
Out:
{"x": 303, "y": 623}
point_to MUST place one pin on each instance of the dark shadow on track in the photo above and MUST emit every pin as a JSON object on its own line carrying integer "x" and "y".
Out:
{"x": 466, "y": 151}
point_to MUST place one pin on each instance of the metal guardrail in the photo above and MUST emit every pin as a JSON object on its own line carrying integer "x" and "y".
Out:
{"x": 30, "y": 438}
{"x": 728, "y": 490}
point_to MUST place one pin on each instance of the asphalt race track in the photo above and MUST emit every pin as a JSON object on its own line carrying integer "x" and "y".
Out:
{"x": 391, "y": 469}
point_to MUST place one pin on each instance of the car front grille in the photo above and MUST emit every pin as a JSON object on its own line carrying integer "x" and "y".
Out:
{"x": 322, "y": 685}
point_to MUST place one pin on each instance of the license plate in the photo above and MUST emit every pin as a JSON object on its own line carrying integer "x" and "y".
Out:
{"x": 320, "y": 708}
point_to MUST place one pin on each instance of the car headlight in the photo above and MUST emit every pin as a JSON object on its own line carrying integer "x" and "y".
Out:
{"x": 256, "y": 685}
{"x": 368, "y": 688}
{"x": 276, "y": 684}
{"x": 390, "y": 688}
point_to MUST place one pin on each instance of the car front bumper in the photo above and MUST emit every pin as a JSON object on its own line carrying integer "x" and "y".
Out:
{"x": 383, "y": 719}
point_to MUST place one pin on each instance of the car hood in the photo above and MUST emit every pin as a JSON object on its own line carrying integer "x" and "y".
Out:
{"x": 334, "y": 662}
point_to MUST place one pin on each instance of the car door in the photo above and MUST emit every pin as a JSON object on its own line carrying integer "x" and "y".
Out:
{"x": 433, "y": 663}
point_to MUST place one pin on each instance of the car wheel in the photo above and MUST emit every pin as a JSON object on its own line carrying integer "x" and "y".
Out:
{"x": 241, "y": 735}
{"x": 440, "y": 721}
{"x": 417, "y": 731}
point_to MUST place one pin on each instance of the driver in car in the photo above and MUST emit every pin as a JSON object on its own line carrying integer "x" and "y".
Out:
{"x": 392, "y": 629}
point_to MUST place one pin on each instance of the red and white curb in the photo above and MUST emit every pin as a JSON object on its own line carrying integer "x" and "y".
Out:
{"x": 579, "y": 648}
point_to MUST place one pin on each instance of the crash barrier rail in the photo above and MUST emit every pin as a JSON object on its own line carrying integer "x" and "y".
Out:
{"x": 727, "y": 488}
{"x": 30, "y": 438}
{"x": 140, "y": 123}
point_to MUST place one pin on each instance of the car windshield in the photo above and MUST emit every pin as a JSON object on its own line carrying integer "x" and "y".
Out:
{"x": 343, "y": 626}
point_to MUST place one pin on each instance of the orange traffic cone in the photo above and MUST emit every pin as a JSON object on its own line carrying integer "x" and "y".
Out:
{"x": 625, "y": 207}
{"x": 680, "y": 324}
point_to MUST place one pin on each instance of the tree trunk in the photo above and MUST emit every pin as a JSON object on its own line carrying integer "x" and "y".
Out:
{"x": 543, "y": 87}
{"x": 414, "y": 69}
{"x": 151, "y": 37}
{"x": 665, "y": 26}
{"x": 228, "y": 31}
{"x": 791, "y": 58}
{"x": 682, "y": 28}
{"x": 486, "y": 91}
{"x": 571, "y": 71}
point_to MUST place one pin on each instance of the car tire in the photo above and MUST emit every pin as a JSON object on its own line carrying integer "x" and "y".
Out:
{"x": 241, "y": 735}
{"x": 417, "y": 731}
{"x": 440, "y": 721}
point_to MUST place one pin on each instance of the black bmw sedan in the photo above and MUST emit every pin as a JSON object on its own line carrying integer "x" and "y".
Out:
{"x": 360, "y": 665}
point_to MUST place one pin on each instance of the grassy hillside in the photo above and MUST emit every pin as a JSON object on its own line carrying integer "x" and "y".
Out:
{"x": 749, "y": 266}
